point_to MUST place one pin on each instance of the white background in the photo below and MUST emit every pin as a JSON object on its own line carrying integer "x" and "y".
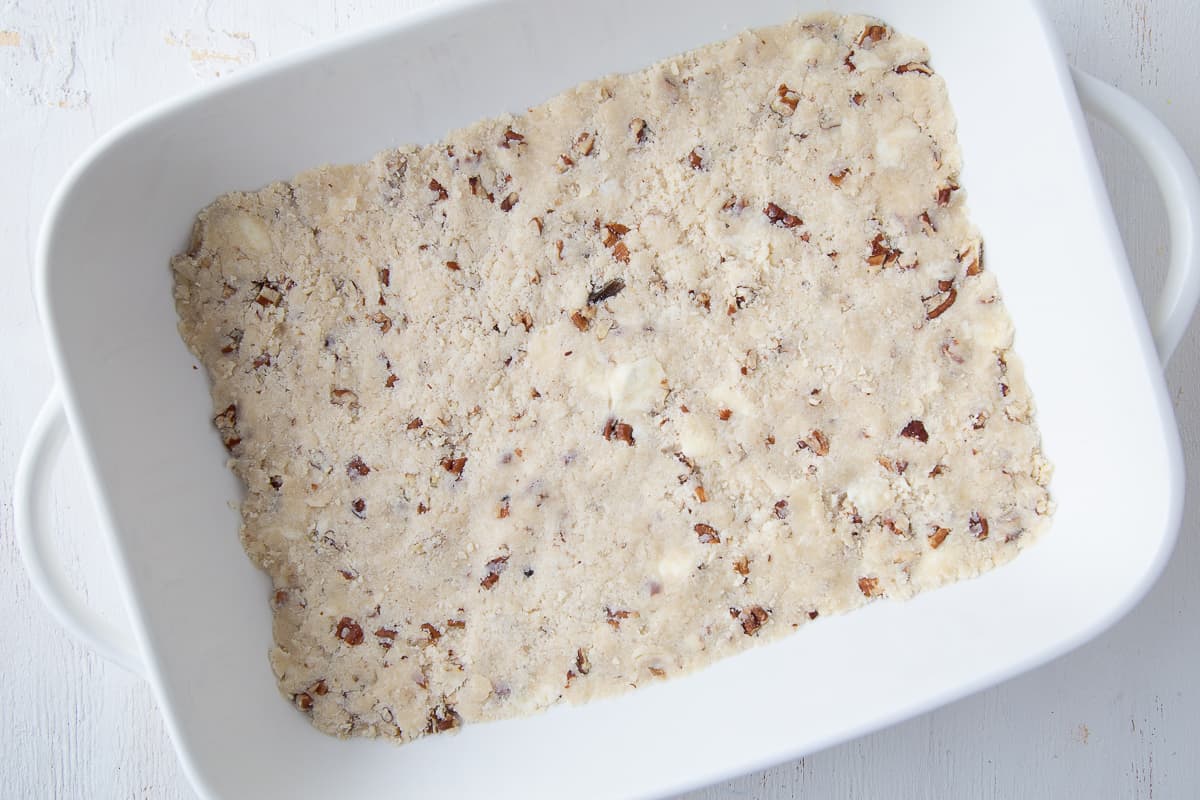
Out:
{"x": 1118, "y": 718}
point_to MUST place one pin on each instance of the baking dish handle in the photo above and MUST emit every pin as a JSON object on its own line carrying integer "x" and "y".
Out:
{"x": 1180, "y": 192}
{"x": 46, "y": 438}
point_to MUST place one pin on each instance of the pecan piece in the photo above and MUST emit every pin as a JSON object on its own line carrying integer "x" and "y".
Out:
{"x": 303, "y": 701}
{"x": 871, "y": 34}
{"x": 382, "y": 320}
{"x": 438, "y": 190}
{"x": 432, "y": 633}
{"x": 751, "y": 618}
{"x": 359, "y": 508}
{"x": 621, "y": 252}
{"x": 816, "y": 441}
{"x": 580, "y": 321}
{"x": 942, "y": 307}
{"x": 226, "y": 424}
{"x": 836, "y": 178}
{"x": 914, "y": 66}
{"x": 695, "y": 160}
{"x": 508, "y": 202}
{"x": 614, "y": 617}
{"x": 707, "y": 533}
{"x": 494, "y": 568}
{"x": 741, "y": 565}
{"x": 782, "y": 218}
{"x": 938, "y": 536}
{"x": 639, "y": 129}
{"x": 785, "y": 101}
{"x": 511, "y": 138}
{"x": 349, "y": 631}
{"x": 454, "y": 465}
{"x": 621, "y": 431}
{"x": 356, "y": 467}
{"x": 608, "y": 290}
{"x": 442, "y": 718}
{"x": 869, "y": 586}
{"x": 614, "y": 232}
{"x": 882, "y": 254}
{"x": 915, "y": 429}
{"x": 978, "y": 526}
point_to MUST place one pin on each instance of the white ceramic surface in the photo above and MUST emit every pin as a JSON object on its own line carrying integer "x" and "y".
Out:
{"x": 141, "y": 413}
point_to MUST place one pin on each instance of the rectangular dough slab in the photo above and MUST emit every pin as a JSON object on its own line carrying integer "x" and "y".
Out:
{"x": 585, "y": 398}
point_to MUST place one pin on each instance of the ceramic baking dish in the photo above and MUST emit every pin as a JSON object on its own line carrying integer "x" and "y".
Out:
{"x": 200, "y": 622}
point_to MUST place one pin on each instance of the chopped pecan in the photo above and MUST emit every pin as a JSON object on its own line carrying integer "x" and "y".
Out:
{"x": 871, "y": 34}
{"x": 724, "y": 414}
{"x": 320, "y": 688}
{"x": 226, "y": 424}
{"x": 621, "y": 431}
{"x": 511, "y": 138}
{"x": 580, "y": 321}
{"x": 614, "y": 617}
{"x": 972, "y": 254}
{"x": 741, "y": 565}
{"x": 442, "y": 718}
{"x": 978, "y": 526}
{"x": 914, "y": 66}
{"x": 781, "y": 509}
{"x": 584, "y": 143}
{"x": 751, "y": 618}
{"x": 453, "y": 266}
{"x": 979, "y": 420}
{"x": 343, "y": 397}
{"x": 582, "y": 664}
{"x": 356, "y": 467}
{"x": 836, "y": 178}
{"x": 413, "y": 424}
{"x": 816, "y": 441}
{"x": 303, "y": 701}
{"x": 476, "y": 184}
{"x": 707, "y": 533}
{"x": 382, "y": 320}
{"x": 701, "y": 494}
{"x": 268, "y": 295}
{"x": 349, "y": 631}
{"x": 941, "y": 308}
{"x": 782, "y": 218}
{"x": 915, "y": 429}
{"x": 695, "y": 160}
{"x": 454, "y": 465}
{"x": 438, "y": 190}
{"x": 494, "y": 568}
{"x": 431, "y": 632}
{"x": 639, "y": 129}
{"x": 869, "y": 586}
{"x": 938, "y": 536}
{"x": 927, "y": 224}
{"x": 613, "y": 233}
{"x": 882, "y": 254}
{"x": 608, "y": 290}
{"x": 359, "y": 508}
{"x": 785, "y": 101}
{"x": 508, "y": 202}
{"x": 621, "y": 252}
{"x": 944, "y": 192}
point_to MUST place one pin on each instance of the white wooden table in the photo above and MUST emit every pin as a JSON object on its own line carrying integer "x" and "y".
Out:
{"x": 1118, "y": 718}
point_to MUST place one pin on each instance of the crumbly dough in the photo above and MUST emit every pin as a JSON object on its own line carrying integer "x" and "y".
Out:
{"x": 585, "y": 398}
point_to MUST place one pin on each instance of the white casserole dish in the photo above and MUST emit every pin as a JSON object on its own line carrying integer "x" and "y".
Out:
{"x": 199, "y": 617}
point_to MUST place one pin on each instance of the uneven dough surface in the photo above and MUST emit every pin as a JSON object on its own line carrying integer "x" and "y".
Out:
{"x": 585, "y": 398}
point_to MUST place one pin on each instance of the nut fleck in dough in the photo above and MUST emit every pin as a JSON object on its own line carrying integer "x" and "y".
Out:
{"x": 595, "y": 395}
